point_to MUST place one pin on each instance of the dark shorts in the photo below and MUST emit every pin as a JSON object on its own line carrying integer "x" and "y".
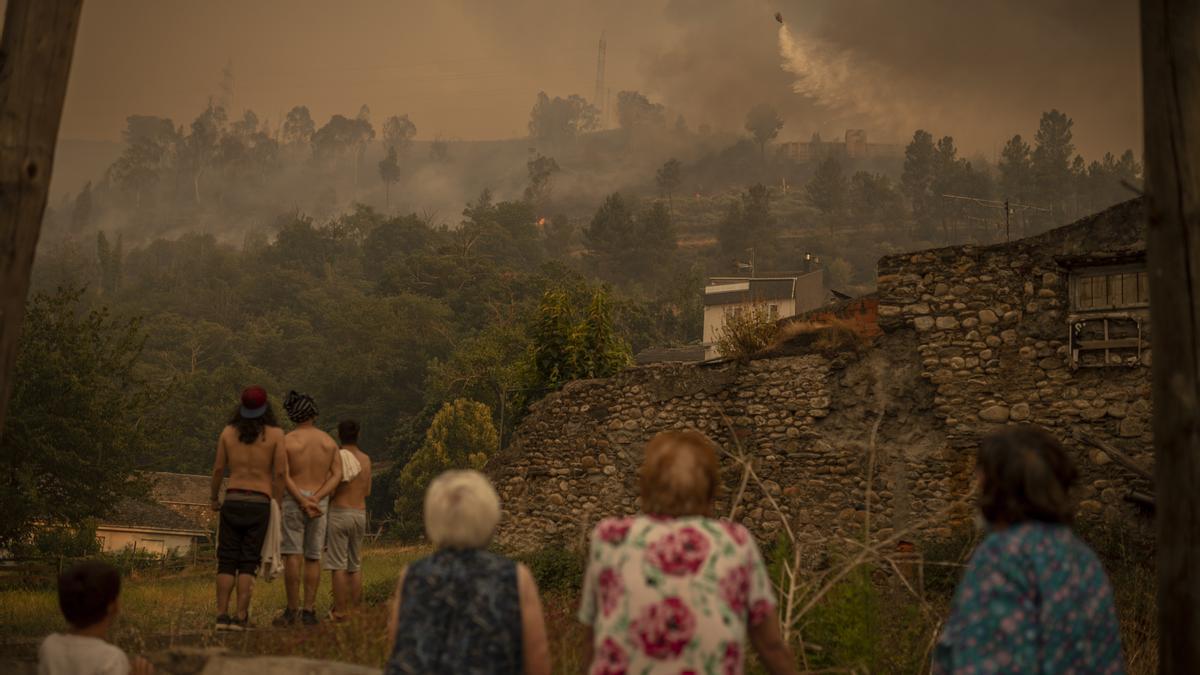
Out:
{"x": 240, "y": 535}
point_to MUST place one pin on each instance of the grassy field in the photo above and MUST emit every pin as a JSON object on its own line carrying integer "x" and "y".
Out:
{"x": 161, "y": 612}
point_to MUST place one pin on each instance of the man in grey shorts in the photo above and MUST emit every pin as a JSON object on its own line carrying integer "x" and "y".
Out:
{"x": 347, "y": 526}
{"x": 314, "y": 471}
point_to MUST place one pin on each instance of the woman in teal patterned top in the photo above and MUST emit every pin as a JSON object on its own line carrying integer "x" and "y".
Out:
{"x": 1034, "y": 598}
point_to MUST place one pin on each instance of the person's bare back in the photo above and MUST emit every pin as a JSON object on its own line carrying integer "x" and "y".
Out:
{"x": 311, "y": 453}
{"x": 353, "y": 494}
{"x": 252, "y": 466}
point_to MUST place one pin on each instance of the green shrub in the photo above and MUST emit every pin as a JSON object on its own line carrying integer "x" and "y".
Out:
{"x": 555, "y": 569}
{"x": 378, "y": 592}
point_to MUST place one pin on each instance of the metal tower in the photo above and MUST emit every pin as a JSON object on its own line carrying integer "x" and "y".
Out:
{"x": 599, "y": 99}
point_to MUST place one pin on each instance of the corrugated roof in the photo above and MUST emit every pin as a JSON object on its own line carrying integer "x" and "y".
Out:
{"x": 131, "y": 513}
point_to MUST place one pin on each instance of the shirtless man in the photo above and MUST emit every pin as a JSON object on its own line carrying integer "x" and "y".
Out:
{"x": 251, "y": 447}
{"x": 347, "y": 526}
{"x": 314, "y": 471}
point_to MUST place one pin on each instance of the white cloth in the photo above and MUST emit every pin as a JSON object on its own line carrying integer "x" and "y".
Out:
{"x": 271, "y": 564}
{"x": 65, "y": 654}
{"x": 351, "y": 467}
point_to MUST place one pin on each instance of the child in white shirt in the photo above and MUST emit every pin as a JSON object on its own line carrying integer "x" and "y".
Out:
{"x": 87, "y": 596}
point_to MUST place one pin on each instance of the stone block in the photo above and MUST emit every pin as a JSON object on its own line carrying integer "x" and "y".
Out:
{"x": 995, "y": 413}
{"x": 1019, "y": 412}
{"x": 946, "y": 322}
{"x": 987, "y": 316}
{"x": 923, "y": 323}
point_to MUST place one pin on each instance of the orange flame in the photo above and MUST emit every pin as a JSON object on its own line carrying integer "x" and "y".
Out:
{"x": 542, "y": 220}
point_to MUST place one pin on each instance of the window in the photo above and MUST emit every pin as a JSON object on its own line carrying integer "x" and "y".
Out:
{"x": 1110, "y": 289}
{"x": 1108, "y": 309}
{"x": 155, "y": 546}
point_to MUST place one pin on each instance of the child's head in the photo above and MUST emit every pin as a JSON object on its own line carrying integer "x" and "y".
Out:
{"x": 87, "y": 593}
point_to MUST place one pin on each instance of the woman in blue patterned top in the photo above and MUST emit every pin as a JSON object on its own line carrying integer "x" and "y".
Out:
{"x": 465, "y": 610}
{"x": 1034, "y": 598}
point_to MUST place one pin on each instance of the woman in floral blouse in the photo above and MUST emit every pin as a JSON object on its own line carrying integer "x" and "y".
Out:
{"x": 1034, "y": 598}
{"x": 674, "y": 590}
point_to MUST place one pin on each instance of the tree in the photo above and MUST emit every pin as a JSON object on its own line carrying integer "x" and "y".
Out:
{"x": 556, "y": 120}
{"x": 558, "y": 235}
{"x": 75, "y": 434}
{"x": 81, "y": 213}
{"x": 541, "y": 170}
{"x": 461, "y": 436}
{"x": 389, "y": 172}
{"x": 1016, "y": 170}
{"x": 339, "y": 137}
{"x": 109, "y": 259}
{"x": 611, "y": 230}
{"x": 573, "y": 339}
{"x": 439, "y": 150}
{"x": 1051, "y": 161}
{"x": 298, "y": 128}
{"x": 763, "y": 123}
{"x": 917, "y": 176}
{"x": 748, "y": 228}
{"x": 827, "y": 189}
{"x": 668, "y": 178}
{"x": 634, "y": 111}
{"x": 874, "y": 199}
{"x": 150, "y": 143}
{"x": 398, "y": 132}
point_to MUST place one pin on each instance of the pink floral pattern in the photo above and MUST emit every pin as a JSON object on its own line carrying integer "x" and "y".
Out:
{"x": 672, "y": 595}
{"x": 613, "y": 530}
{"x": 664, "y": 629}
{"x": 760, "y": 610}
{"x": 735, "y": 588}
{"x": 679, "y": 552}
{"x": 610, "y": 659}
{"x": 611, "y": 589}
{"x": 739, "y": 534}
{"x": 731, "y": 662}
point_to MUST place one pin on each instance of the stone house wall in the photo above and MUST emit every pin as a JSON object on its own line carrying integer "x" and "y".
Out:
{"x": 973, "y": 338}
{"x": 991, "y": 325}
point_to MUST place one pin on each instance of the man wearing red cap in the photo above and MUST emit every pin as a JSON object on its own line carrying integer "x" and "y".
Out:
{"x": 251, "y": 447}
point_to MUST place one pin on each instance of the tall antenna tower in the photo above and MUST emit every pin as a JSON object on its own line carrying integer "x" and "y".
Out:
{"x": 599, "y": 99}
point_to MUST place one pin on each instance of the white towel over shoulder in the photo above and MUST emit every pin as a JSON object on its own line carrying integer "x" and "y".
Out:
{"x": 271, "y": 565}
{"x": 351, "y": 467}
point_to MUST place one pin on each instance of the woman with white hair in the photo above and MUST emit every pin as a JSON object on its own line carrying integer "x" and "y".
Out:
{"x": 675, "y": 590}
{"x": 464, "y": 609}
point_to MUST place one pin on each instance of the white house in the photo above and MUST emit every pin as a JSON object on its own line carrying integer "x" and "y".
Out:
{"x": 149, "y": 527}
{"x": 782, "y": 296}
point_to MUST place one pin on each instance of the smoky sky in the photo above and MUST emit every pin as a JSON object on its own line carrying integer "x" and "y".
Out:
{"x": 980, "y": 70}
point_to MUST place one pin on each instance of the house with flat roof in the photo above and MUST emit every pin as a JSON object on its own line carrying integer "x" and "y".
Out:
{"x": 149, "y": 527}
{"x": 779, "y": 296}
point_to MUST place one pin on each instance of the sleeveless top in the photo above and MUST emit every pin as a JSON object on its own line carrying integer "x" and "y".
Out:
{"x": 460, "y": 612}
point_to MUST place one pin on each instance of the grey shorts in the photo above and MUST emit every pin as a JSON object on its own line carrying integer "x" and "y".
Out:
{"x": 346, "y": 529}
{"x": 302, "y": 534}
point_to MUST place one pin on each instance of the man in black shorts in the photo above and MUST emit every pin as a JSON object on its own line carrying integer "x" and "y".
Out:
{"x": 251, "y": 448}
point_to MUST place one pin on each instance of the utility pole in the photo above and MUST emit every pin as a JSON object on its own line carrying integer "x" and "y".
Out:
{"x": 600, "y": 98}
{"x": 35, "y": 60}
{"x": 1008, "y": 205}
{"x": 1171, "y": 101}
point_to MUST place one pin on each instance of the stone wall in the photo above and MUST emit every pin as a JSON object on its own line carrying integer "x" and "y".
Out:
{"x": 806, "y": 421}
{"x": 991, "y": 325}
{"x": 973, "y": 338}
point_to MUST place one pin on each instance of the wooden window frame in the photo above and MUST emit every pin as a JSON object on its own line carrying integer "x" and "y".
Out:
{"x": 1088, "y": 275}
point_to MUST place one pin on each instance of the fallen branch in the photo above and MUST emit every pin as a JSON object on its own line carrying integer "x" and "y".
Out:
{"x": 1116, "y": 455}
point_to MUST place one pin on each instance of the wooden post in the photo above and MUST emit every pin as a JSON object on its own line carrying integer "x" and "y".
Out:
{"x": 35, "y": 59}
{"x": 1171, "y": 98}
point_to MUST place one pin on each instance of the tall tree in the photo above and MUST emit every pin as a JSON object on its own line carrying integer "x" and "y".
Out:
{"x": 763, "y": 123}
{"x": 541, "y": 170}
{"x": 81, "y": 212}
{"x": 37, "y": 45}
{"x": 389, "y": 172}
{"x": 555, "y": 120}
{"x": 1051, "y": 161}
{"x": 827, "y": 189}
{"x": 874, "y": 199}
{"x": 1016, "y": 170}
{"x": 917, "y": 177}
{"x": 298, "y": 128}
{"x": 398, "y": 132}
{"x": 668, "y": 178}
{"x": 77, "y": 413}
{"x": 635, "y": 111}
{"x": 748, "y": 229}
{"x": 1171, "y": 100}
